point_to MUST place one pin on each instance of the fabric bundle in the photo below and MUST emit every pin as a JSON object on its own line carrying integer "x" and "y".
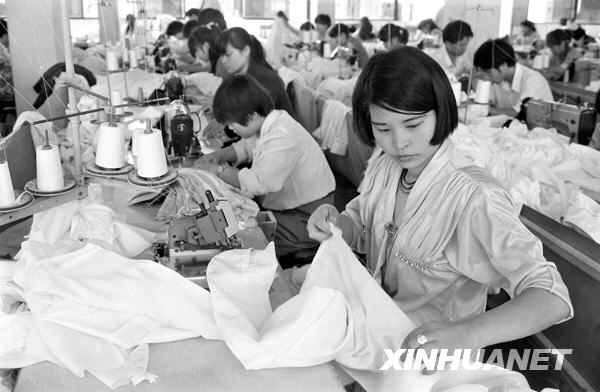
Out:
{"x": 190, "y": 190}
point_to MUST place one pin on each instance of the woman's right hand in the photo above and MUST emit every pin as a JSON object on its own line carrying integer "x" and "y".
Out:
{"x": 318, "y": 223}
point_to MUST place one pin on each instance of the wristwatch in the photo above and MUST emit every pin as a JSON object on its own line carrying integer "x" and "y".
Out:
{"x": 220, "y": 171}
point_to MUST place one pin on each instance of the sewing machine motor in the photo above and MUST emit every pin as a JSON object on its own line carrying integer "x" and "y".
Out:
{"x": 576, "y": 122}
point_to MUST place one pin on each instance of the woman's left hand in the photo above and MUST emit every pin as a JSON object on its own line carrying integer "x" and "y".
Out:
{"x": 440, "y": 335}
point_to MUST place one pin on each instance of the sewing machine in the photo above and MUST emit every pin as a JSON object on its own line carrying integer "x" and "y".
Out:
{"x": 194, "y": 238}
{"x": 573, "y": 121}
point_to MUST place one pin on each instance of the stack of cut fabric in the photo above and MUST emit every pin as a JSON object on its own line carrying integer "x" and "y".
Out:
{"x": 540, "y": 169}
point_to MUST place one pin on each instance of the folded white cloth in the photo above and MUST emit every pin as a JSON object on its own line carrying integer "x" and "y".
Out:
{"x": 332, "y": 134}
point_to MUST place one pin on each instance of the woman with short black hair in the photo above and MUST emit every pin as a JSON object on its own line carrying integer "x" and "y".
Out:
{"x": 288, "y": 174}
{"x": 438, "y": 231}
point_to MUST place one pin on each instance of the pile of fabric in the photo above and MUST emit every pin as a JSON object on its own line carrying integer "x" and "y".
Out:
{"x": 540, "y": 168}
{"x": 84, "y": 307}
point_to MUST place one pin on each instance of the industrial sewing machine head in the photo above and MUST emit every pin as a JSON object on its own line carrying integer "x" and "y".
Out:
{"x": 576, "y": 122}
{"x": 195, "y": 237}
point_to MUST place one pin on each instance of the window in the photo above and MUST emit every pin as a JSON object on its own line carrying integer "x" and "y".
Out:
{"x": 588, "y": 11}
{"x": 264, "y": 9}
{"x": 356, "y": 9}
{"x": 550, "y": 11}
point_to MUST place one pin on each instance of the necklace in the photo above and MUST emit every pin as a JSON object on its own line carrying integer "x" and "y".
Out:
{"x": 405, "y": 185}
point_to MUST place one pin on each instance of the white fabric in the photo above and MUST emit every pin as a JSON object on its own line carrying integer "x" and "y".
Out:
{"x": 136, "y": 78}
{"x": 341, "y": 314}
{"x": 206, "y": 82}
{"x": 91, "y": 309}
{"x": 333, "y": 131}
{"x": 319, "y": 69}
{"x": 462, "y": 65}
{"x": 79, "y": 320}
{"x": 288, "y": 167}
{"x": 288, "y": 75}
{"x": 539, "y": 168}
{"x": 85, "y": 221}
{"x": 340, "y": 90}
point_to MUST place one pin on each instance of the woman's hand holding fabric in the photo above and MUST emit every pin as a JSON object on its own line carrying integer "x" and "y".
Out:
{"x": 318, "y": 223}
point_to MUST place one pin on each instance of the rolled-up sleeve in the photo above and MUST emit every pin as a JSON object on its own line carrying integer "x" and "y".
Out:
{"x": 272, "y": 164}
{"x": 244, "y": 149}
{"x": 495, "y": 248}
{"x": 352, "y": 213}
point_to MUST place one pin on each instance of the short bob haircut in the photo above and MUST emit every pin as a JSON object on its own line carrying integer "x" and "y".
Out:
{"x": 404, "y": 80}
{"x": 494, "y": 53}
{"x": 457, "y": 31}
{"x": 174, "y": 28}
{"x": 238, "y": 98}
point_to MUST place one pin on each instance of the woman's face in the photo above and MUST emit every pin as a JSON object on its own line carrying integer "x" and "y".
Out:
{"x": 405, "y": 137}
{"x": 236, "y": 61}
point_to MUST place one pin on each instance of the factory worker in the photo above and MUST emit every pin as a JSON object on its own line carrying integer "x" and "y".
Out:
{"x": 322, "y": 25}
{"x": 241, "y": 53}
{"x": 513, "y": 81}
{"x": 339, "y": 35}
{"x": 202, "y": 46}
{"x": 563, "y": 56}
{"x": 528, "y": 36}
{"x": 289, "y": 174}
{"x": 451, "y": 55}
{"x": 436, "y": 230}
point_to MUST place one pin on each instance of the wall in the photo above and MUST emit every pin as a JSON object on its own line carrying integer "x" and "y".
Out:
{"x": 33, "y": 54}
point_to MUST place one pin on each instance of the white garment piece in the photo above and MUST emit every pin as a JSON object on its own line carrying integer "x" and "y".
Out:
{"x": 539, "y": 168}
{"x": 206, "y": 82}
{"x": 136, "y": 78}
{"x": 584, "y": 213}
{"x": 341, "y": 90}
{"x": 319, "y": 69}
{"x": 82, "y": 220}
{"x": 94, "y": 310}
{"x": 333, "y": 131}
{"x": 288, "y": 75}
{"x": 341, "y": 313}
